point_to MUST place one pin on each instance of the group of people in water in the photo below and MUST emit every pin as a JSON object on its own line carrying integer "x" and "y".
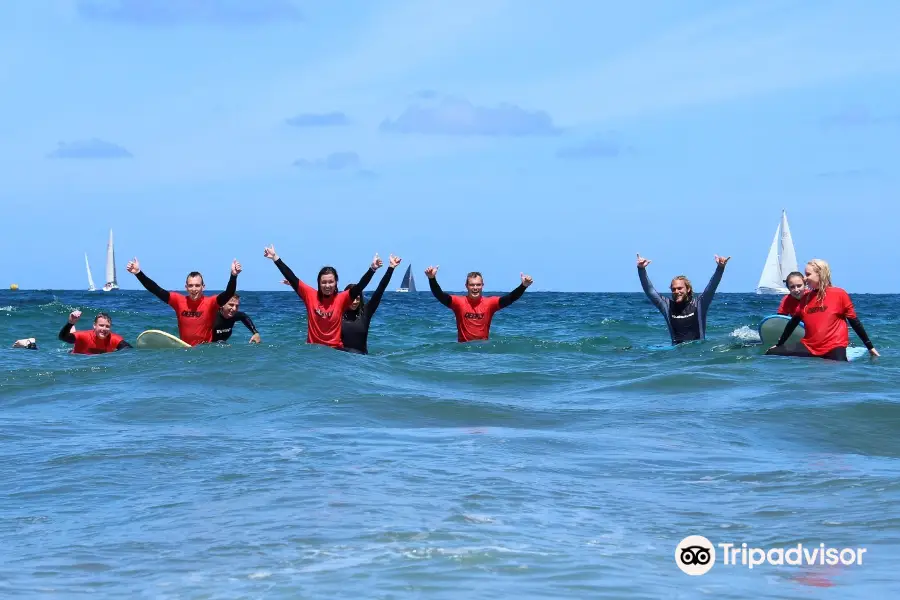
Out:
{"x": 341, "y": 319}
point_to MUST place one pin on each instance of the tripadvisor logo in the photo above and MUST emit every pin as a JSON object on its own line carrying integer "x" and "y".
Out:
{"x": 696, "y": 555}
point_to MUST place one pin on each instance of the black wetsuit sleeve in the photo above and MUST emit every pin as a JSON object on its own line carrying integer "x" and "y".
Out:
{"x": 66, "y": 335}
{"x": 357, "y": 290}
{"x": 706, "y": 297}
{"x": 122, "y": 345}
{"x": 375, "y": 300}
{"x": 442, "y": 296}
{"x": 861, "y": 332}
{"x": 151, "y": 287}
{"x": 512, "y": 296}
{"x": 230, "y": 290}
{"x": 788, "y": 330}
{"x": 247, "y": 321}
{"x": 288, "y": 274}
{"x": 657, "y": 300}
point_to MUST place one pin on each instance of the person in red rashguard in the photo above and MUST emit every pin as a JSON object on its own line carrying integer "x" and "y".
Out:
{"x": 196, "y": 312}
{"x": 324, "y": 305}
{"x": 98, "y": 340}
{"x": 796, "y": 285}
{"x": 474, "y": 311}
{"x": 825, "y": 311}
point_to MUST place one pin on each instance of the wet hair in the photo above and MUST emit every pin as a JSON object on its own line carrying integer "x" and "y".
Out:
{"x": 472, "y": 275}
{"x": 824, "y": 272}
{"x": 327, "y": 271}
{"x": 794, "y": 274}
{"x": 687, "y": 284}
{"x": 194, "y": 274}
{"x": 103, "y": 315}
{"x": 362, "y": 300}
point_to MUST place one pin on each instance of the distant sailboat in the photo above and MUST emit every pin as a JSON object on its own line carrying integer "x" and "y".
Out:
{"x": 409, "y": 283}
{"x": 87, "y": 266}
{"x": 111, "y": 283}
{"x": 781, "y": 260}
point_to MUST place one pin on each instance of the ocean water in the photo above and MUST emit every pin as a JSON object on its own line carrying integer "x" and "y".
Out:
{"x": 565, "y": 458}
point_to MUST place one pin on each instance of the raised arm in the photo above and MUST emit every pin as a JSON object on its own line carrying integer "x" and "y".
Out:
{"x": 706, "y": 297}
{"x": 516, "y": 293}
{"x": 66, "y": 335}
{"x": 442, "y": 297}
{"x": 357, "y": 289}
{"x": 134, "y": 267}
{"x": 375, "y": 300}
{"x": 223, "y": 298}
{"x": 292, "y": 279}
{"x": 657, "y": 300}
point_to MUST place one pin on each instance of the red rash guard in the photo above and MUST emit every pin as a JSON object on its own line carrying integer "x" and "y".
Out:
{"x": 88, "y": 343}
{"x": 826, "y": 323}
{"x": 473, "y": 319}
{"x": 789, "y": 305}
{"x": 195, "y": 317}
{"x": 323, "y": 315}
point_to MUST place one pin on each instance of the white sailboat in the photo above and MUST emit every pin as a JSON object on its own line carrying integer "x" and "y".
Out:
{"x": 111, "y": 283}
{"x": 781, "y": 260}
{"x": 409, "y": 282}
{"x": 87, "y": 266}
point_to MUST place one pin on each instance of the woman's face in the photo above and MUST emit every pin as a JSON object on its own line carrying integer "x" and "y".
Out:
{"x": 796, "y": 286}
{"x": 812, "y": 277}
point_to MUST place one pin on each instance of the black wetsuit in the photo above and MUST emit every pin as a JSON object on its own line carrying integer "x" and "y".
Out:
{"x": 686, "y": 320}
{"x": 224, "y": 326}
{"x": 355, "y": 324}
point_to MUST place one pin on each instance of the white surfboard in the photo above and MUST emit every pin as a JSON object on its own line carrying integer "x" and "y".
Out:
{"x": 155, "y": 339}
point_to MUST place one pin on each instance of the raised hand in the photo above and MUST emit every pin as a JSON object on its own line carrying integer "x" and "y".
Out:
{"x": 526, "y": 279}
{"x": 376, "y": 262}
{"x": 235, "y": 267}
{"x": 270, "y": 253}
{"x": 285, "y": 282}
{"x": 394, "y": 261}
{"x": 431, "y": 272}
{"x": 133, "y": 266}
{"x": 642, "y": 262}
{"x": 722, "y": 260}
{"x": 74, "y": 316}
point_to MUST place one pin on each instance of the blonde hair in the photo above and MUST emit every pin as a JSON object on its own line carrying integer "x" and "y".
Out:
{"x": 824, "y": 272}
{"x": 687, "y": 284}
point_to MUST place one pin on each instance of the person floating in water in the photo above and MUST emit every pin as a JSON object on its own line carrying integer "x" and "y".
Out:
{"x": 98, "y": 340}
{"x": 27, "y": 343}
{"x": 325, "y": 305}
{"x": 796, "y": 285}
{"x": 358, "y": 316}
{"x": 226, "y": 318}
{"x": 825, "y": 310}
{"x": 196, "y": 313}
{"x": 685, "y": 313}
{"x": 474, "y": 311}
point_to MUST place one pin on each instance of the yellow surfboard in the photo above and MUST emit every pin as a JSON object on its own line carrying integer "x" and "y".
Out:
{"x": 155, "y": 339}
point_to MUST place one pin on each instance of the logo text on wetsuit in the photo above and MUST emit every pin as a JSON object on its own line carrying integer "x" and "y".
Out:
{"x": 192, "y": 313}
{"x": 816, "y": 309}
{"x": 474, "y": 315}
{"x": 323, "y": 314}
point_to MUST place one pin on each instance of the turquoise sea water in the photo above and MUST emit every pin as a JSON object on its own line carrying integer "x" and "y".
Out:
{"x": 565, "y": 458}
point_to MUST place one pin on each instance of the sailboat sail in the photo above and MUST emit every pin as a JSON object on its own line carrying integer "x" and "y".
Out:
{"x": 111, "y": 283}
{"x": 781, "y": 261}
{"x": 87, "y": 265}
{"x": 409, "y": 282}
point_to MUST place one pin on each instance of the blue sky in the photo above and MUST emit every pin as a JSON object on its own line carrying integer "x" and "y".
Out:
{"x": 505, "y": 136}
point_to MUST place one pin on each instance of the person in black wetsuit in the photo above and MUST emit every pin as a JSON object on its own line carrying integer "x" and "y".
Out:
{"x": 226, "y": 318}
{"x": 685, "y": 313}
{"x": 358, "y": 316}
